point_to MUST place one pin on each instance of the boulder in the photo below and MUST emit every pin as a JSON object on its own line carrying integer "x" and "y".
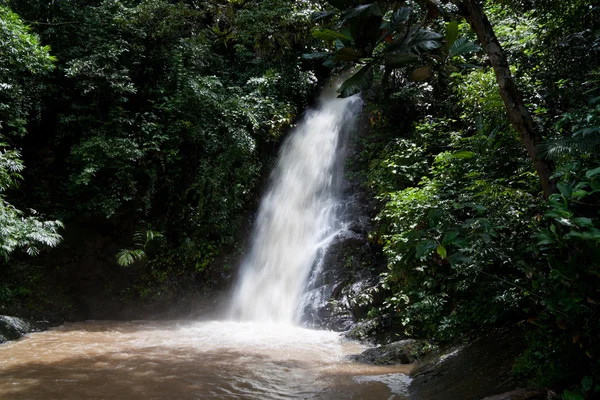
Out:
{"x": 12, "y": 328}
{"x": 482, "y": 367}
{"x": 401, "y": 352}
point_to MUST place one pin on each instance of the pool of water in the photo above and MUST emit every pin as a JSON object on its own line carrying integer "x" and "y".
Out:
{"x": 191, "y": 360}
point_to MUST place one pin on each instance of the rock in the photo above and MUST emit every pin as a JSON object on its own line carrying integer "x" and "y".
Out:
{"x": 363, "y": 331}
{"x": 480, "y": 368}
{"x": 402, "y": 352}
{"x": 521, "y": 394}
{"x": 12, "y": 328}
{"x": 340, "y": 273}
{"x": 383, "y": 329}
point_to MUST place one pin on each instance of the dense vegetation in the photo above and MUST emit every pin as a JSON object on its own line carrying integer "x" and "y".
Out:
{"x": 146, "y": 131}
{"x": 475, "y": 235}
{"x": 147, "y": 126}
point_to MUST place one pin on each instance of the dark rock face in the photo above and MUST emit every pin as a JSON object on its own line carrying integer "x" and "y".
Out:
{"x": 402, "y": 352}
{"x": 341, "y": 288}
{"x": 472, "y": 371}
{"x": 342, "y": 275}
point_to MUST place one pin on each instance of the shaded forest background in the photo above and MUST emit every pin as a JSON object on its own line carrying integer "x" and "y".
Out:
{"x": 141, "y": 133}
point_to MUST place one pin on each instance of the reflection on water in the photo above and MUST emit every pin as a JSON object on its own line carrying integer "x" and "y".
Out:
{"x": 190, "y": 360}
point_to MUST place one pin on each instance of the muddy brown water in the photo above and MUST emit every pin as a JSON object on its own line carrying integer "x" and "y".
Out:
{"x": 191, "y": 360}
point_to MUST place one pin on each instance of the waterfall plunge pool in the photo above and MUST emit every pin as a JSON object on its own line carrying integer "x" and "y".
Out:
{"x": 191, "y": 360}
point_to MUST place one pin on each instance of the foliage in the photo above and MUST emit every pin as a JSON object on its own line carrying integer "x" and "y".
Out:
{"x": 469, "y": 244}
{"x": 141, "y": 239}
{"x": 162, "y": 114}
{"x": 370, "y": 36}
{"x": 454, "y": 241}
{"x": 21, "y": 58}
{"x": 167, "y": 114}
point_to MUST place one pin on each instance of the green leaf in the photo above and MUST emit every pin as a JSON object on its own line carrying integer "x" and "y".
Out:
{"x": 459, "y": 258}
{"x": 330, "y": 35}
{"x": 451, "y": 34}
{"x": 126, "y": 258}
{"x": 358, "y": 82}
{"x": 593, "y": 172}
{"x": 477, "y": 207}
{"x": 424, "y": 248}
{"x": 347, "y": 54}
{"x": 545, "y": 237}
{"x": 400, "y": 16}
{"x": 365, "y": 10}
{"x": 555, "y": 273}
{"x": 583, "y": 222}
{"x": 579, "y": 194}
{"x": 424, "y": 40}
{"x": 462, "y": 155}
{"x": 463, "y": 46}
{"x": 568, "y": 395}
{"x": 441, "y": 250}
{"x": 564, "y": 189}
{"x": 319, "y": 15}
{"x": 399, "y": 60}
{"x": 592, "y": 234}
{"x": 396, "y": 24}
{"x": 449, "y": 238}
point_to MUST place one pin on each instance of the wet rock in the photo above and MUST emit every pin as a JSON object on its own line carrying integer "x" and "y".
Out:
{"x": 383, "y": 329}
{"x": 363, "y": 331}
{"x": 341, "y": 273}
{"x": 12, "y": 328}
{"x": 480, "y": 368}
{"x": 521, "y": 394}
{"x": 402, "y": 352}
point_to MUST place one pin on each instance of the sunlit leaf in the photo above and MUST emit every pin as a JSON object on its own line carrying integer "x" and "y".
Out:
{"x": 330, "y": 35}
{"x": 441, "y": 250}
{"x": 451, "y": 34}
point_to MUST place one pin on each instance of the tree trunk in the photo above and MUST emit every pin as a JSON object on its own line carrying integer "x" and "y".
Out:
{"x": 518, "y": 114}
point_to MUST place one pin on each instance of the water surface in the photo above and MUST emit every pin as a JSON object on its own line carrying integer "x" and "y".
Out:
{"x": 190, "y": 360}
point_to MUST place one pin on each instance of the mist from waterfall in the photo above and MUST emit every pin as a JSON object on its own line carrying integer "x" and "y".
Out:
{"x": 298, "y": 216}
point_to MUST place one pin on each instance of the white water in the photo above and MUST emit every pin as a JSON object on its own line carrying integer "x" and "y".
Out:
{"x": 297, "y": 216}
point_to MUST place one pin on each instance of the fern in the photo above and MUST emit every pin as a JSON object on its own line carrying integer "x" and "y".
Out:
{"x": 557, "y": 148}
{"x": 585, "y": 136}
{"x": 126, "y": 257}
{"x": 141, "y": 240}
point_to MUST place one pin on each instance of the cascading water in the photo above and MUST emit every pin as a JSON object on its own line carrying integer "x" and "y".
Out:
{"x": 297, "y": 216}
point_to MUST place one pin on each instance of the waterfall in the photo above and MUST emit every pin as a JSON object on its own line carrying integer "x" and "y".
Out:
{"x": 298, "y": 216}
